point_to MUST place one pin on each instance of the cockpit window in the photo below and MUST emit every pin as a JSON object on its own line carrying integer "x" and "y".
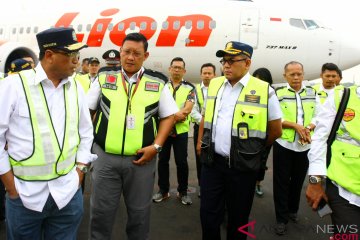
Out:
{"x": 296, "y": 22}
{"x": 310, "y": 24}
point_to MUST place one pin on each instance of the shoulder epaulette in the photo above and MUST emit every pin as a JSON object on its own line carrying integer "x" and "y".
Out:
{"x": 279, "y": 88}
{"x": 156, "y": 74}
{"x": 189, "y": 83}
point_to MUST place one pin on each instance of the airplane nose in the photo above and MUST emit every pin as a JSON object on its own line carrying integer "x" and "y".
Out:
{"x": 349, "y": 52}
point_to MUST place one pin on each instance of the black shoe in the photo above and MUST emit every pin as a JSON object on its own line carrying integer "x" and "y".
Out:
{"x": 294, "y": 217}
{"x": 280, "y": 229}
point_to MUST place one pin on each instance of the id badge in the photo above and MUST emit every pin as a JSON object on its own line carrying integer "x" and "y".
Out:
{"x": 130, "y": 121}
{"x": 243, "y": 130}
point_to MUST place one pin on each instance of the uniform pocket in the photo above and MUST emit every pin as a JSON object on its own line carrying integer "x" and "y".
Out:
{"x": 246, "y": 155}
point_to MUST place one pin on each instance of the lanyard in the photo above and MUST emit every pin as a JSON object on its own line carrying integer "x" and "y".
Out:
{"x": 128, "y": 93}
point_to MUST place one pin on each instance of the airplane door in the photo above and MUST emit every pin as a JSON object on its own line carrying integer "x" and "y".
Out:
{"x": 249, "y": 27}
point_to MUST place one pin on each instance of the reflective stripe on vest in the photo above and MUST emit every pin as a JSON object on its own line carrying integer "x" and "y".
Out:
{"x": 180, "y": 98}
{"x": 48, "y": 161}
{"x": 111, "y": 133}
{"x": 251, "y": 107}
{"x": 345, "y": 151}
{"x": 288, "y": 104}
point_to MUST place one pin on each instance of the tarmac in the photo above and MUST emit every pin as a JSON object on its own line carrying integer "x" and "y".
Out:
{"x": 172, "y": 220}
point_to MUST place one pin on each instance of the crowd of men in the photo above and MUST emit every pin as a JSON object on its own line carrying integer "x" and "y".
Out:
{"x": 57, "y": 123}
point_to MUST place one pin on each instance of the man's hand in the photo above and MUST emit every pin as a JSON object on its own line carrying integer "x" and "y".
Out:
{"x": 304, "y": 133}
{"x": 9, "y": 183}
{"x": 198, "y": 148}
{"x": 180, "y": 116}
{"x": 80, "y": 173}
{"x": 147, "y": 154}
{"x": 314, "y": 194}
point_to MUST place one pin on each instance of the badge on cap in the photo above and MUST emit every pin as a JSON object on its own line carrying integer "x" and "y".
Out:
{"x": 111, "y": 54}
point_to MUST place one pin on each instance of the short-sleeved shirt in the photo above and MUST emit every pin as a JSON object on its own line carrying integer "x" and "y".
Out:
{"x": 167, "y": 105}
{"x": 228, "y": 98}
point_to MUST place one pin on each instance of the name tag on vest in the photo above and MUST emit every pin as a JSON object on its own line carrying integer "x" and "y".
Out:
{"x": 152, "y": 86}
{"x": 252, "y": 98}
{"x": 110, "y": 82}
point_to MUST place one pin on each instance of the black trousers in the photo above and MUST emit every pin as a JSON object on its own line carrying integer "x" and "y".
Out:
{"x": 290, "y": 169}
{"x": 179, "y": 143}
{"x": 264, "y": 157}
{"x": 220, "y": 186}
{"x": 197, "y": 158}
{"x": 2, "y": 201}
{"x": 345, "y": 216}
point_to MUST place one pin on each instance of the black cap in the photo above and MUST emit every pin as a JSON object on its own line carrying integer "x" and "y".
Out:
{"x": 111, "y": 56}
{"x": 59, "y": 38}
{"x": 236, "y": 48}
{"x": 19, "y": 65}
{"x": 93, "y": 59}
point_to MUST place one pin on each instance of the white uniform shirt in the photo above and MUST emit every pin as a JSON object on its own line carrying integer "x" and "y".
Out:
{"x": 167, "y": 104}
{"x": 296, "y": 146}
{"x": 196, "y": 110}
{"x": 224, "y": 111}
{"x": 15, "y": 128}
{"x": 318, "y": 105}
{"x": 317, "y": 153}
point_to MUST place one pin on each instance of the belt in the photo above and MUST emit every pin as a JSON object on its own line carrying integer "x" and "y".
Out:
{"x": 222, "y": 159}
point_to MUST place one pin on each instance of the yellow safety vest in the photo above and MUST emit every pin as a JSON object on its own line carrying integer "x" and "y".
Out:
{"x": 84, "y": 80}
{"x": 288, "y": 104}
{"x": 321, "y": 94}
{"x": 180, "y": 99}
{"x": 199, "y": 98}
{"x": 111, "y": 131}
{"x": 48, "y": 160}
{"x": 345, "y": 151}
{"x": 251, "y": 110}
{"x": 251, "y": 107}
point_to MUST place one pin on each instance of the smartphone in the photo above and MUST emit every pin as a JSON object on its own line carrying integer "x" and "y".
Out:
{"x": 323, "y": 208}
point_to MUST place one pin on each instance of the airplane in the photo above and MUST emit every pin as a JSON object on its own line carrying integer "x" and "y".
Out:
{"x": 191, "y": 29}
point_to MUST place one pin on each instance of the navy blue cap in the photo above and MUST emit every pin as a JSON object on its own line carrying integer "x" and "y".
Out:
{"x": 19, "y": 65}
{"x": 236, "y": 48}
{"x": 59, "y": 38}
{"x": 111, "y": 56}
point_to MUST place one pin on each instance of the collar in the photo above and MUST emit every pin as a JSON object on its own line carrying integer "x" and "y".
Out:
{"x": 243, "y": 81}
{"x": 136, "y": 75}
{"x": 290, "y": 88}
{"x": 202, "y": 85}
{"x": 41, "y": 76}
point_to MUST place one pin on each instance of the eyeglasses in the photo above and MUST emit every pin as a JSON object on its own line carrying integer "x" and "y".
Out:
{"x": 177, "y": 68}
{"x": 69, "y": 54}
{"x": 128, "y": 53}
{"x": 231, "y": 61}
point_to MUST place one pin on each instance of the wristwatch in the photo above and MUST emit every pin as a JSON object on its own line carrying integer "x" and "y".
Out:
{"x": 83, "y": 168}
{"x": 315, "y": 179}
{"x": 157, "y": 147}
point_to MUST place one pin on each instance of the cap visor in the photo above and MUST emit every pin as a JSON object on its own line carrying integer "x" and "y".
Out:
{"x": 222, "y": 53}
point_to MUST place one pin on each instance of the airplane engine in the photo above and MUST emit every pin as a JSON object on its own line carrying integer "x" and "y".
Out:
{"x": 10, "y": 51}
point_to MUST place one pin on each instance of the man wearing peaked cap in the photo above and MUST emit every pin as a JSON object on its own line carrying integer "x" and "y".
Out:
{"x": 54, "y": 135}
{"x": 87, "y": 79}
{"x": 19, "y": 65}
{"x": 112, "y": 60}
{"x": 234, "y": 131}
{"x": 111, "y": 57}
